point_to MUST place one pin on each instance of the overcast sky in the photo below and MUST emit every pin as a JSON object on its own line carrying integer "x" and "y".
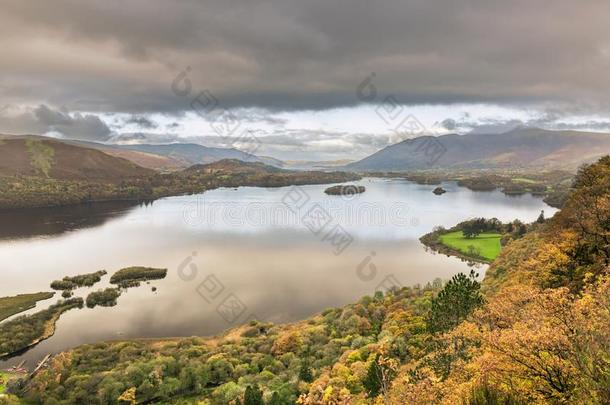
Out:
{"x": 310, "y": 79}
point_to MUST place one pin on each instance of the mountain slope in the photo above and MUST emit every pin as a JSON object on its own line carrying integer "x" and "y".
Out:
{"x": 169, "y": 156}
{"x": 144, "y": 159}
{"x": 234, "y": 166}
{"x": 47, "y": 157}
{"x": 520, "y": 148}
{"x": 192, "y": 153}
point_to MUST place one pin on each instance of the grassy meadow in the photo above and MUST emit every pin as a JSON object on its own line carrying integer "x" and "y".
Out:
{"x": 486, "y": 245}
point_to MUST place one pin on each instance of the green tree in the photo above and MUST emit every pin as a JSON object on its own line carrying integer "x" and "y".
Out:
{"x": 253, "y": 396}
{"x": 460, "y": 296}
{"x": 471, "y": 229}
{"x": 189, "y": 380}
{"x": 220, "y": 370}
{"x": 275, "y": 399}
{"x": 372, "y": 381}
{"x": 305, "y": 371}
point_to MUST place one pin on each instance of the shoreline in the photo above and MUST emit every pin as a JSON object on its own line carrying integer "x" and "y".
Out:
{"x": 50, "y": 327}
{"x": 431, "y": 241}
{"x": 330, "y": 178}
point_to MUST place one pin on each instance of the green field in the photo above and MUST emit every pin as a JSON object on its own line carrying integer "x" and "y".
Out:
{"x": 486, "y": 245}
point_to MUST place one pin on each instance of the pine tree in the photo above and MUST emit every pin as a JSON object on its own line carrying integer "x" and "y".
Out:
{"x": 275, "y": 399}
{"x": 372, "y": 382}
{"x": 460, "y": 296}
{"x": 305, "y": 372}
{"x": 253, "y": 396}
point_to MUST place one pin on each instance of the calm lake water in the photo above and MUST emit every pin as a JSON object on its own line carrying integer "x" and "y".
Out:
{"x": 236, "y": 254}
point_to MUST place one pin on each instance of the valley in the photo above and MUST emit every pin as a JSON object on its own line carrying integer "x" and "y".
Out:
{"x": 41, "y": 172}
{"x": 402, "y": 202}
{"x": 218, "y": 212}
{"x": 409, "y": 331}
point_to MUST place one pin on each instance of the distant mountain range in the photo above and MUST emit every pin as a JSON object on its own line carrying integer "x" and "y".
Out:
{"x": 527, "y": 148}
{"x": 234, "y": 166}
{"x": 519, "y": 148}
{"x": 172, "y": 156}
{"x": 316, "y": 164}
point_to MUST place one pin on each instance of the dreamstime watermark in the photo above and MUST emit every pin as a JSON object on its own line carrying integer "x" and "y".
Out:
{"x": 401, "y": 122}
{"x": 312, "y": 216}
{"x": 390, "y": 110}
{"x": 317, "y": 219}
{"x": 223, "y": 121}
{"x": 322, "y": 225}
{"x": 367, "y": 272}
{"x": 228, "y": 304}
{"x": 290, "y": 212}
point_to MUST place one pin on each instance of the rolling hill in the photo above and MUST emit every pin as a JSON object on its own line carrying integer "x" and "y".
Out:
{"x": 234, "y": 166}
{"x": 50, "y": 158}
{"x": 173, "y": 156}
{"x": 519, "y": 148}
{"x": 192, "y": 153}
{"x": 144, "y": 159}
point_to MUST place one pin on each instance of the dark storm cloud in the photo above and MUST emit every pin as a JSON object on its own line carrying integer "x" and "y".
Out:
{"x": 552, "y": 119}
{"x": 141, "y": 121}
{"x": 106, "y": 55}
{"x": 45, "y": 120}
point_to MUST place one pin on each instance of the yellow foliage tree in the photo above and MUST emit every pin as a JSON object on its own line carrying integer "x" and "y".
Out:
{"x": 128, "y": 396}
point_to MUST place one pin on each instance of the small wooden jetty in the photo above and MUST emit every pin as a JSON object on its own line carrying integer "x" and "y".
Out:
{"x": 40, "y": 365}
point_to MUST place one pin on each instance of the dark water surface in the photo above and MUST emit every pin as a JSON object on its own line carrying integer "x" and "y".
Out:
{"x": 237, "y": 254}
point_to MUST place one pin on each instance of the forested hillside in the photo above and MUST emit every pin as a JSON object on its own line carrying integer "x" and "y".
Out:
{"x": 536, "y": 331}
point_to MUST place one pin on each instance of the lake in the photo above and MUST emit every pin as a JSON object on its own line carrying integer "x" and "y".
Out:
{"x": 236, "y": 254}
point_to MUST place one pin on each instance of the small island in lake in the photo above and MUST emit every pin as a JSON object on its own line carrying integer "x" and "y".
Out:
{"x": 133, "y": 276}
{"x": 26, "y": 331}
{"x": 81, "y": 280}
{"x": 103, "y": 298}
{"x": 439, "y": 191}
{"x": 345, "y": 189}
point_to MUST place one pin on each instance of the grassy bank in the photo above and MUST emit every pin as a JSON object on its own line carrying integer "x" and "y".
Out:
{"x": 477, "y": 240}
{"x": 486, "y": 245}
